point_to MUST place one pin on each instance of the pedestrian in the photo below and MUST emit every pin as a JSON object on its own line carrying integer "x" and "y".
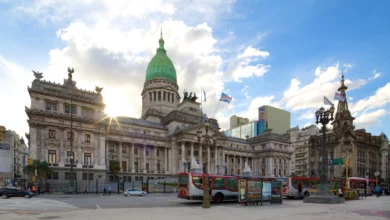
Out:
{"x": 109, "y": 190}
{"x": 377, "y": 191}
{"x": 104, "y": 191}
{"x": 340, "y": 193}
{"x": 85, "y": 191}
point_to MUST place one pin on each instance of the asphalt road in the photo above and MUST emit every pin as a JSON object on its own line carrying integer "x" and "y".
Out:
{"x": 120, "y": 201}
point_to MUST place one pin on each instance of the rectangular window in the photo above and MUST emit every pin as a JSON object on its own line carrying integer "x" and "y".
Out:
{"x": 67, "y": 108}
{"x": 180, "y": 151}
{"x": 111, "y": 178}
{"x": 154, "y": 95}
{"x": 52, "y": 156}
{"x": 52, "y": 133}
{"x": 280, "y": 172}
{"x": 124, "y": 149}
{"x": 48, "y": 106}
{"x": 135, "y": 150}
{"x": 172, "y": 98}
{"x": 158, "y": 153}
{"x": 136, "y": 166}
{"x": 274, "y": 172}
{"x": 124, "y": 165}
{"x": 112, "y": 149}
{"x": 67, "y": 175}
{"x": 159, "y": 95}
{"x": 70, "y": 136}
{"x": 218, "y": 183}
{"x": 164, "y": 95}
{"x": 87, "y": 158}
{"x": 188, "y": 152}
{"x": 169, "y": 95}
{"x": 263, "y": 172}
{"x": 85, "y": 176}
{"x": 150, "y": 96}
{"x": 90, "y": 176}
{"x": 197, "y": 180}
{"x": 54, "y": 175}
{"x": 212, "y": 155}
{"x": 147, "y": 166}
{"x": 284, "y": 172}
{"x": 231, "y": 183}
{"x": 87, "y": 138}
{"x": 147, "y": 152}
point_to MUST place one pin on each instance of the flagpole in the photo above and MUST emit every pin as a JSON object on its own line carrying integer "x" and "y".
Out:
{"x": 216, "y": 107}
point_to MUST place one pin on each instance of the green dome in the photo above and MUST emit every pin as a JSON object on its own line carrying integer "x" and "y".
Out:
{"x": 161, "y": 66}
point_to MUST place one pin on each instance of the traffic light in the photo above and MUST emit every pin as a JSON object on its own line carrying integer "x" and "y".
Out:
{"x": 30, "y": 161}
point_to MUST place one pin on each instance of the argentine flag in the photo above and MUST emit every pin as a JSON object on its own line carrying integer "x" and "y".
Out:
{"x": 225, "y": 98}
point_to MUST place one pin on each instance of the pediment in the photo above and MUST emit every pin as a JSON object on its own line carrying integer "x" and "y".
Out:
{"x": 193, "y": 130}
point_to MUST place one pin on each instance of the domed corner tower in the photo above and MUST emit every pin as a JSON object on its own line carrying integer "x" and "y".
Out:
{"x": 160, "y": 94}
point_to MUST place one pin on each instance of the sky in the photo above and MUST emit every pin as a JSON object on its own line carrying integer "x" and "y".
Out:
{"x": 288, "y": 54}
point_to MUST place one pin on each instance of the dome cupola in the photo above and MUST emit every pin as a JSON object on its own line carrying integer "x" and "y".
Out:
{"x": 161, "y": 67}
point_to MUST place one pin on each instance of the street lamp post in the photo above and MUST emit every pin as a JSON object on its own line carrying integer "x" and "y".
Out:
{"x": 206, "y": 186}
{"x": 323, "y": 194}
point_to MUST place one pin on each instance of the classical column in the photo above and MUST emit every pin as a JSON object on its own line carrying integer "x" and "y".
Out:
{"x": 33, "y": 142}
{"x": 234, "y": 165}
{"x": 132, "y": 158}
{"x": 144, "y": 160}
{"x": 107, "y": 146}
{"x": 270, "y": 167}
{"x": 241, "y": 163}
{"x": 155, "y": 159}
{"x": 120, "y": 156}
{"x": 43, "y": 139}
{"x": 79, "y": 135}
{"x": 192, "y": 152}
{"x": 61, "y": 154}
{"x": 208, "y": 159}
{"x": 172, "y": 166}
{"x": 166, "y": 159}
{"x": 96, "y": 144}
{"x": 183, "y": 152}
{"x": 216, "y": 162}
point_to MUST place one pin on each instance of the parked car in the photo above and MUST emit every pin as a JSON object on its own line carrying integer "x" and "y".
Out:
{"x": 134, "y": 192}
{"x": 13, "y": 192}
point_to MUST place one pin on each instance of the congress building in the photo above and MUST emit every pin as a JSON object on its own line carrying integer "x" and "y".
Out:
{"x": 159, "y": 144}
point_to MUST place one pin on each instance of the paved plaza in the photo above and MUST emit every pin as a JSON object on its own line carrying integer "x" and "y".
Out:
{"x": 169, "y": 207}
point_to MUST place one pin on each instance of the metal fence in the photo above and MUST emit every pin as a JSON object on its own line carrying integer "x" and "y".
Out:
{"x": 151, "y": 186}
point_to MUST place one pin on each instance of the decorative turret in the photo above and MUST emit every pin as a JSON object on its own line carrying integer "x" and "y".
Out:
{"x": 343, "y": 119}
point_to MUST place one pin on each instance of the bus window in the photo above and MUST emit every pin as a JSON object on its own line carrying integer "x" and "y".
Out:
{"x": 306, "y": 183}
{"x": 197, "y": 180}
{"x": 218, "y": 183}
{"x": 231, "y": 183}
{"x": 183, "y": 180}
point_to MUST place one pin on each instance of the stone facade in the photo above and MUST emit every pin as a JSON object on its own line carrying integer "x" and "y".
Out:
{"x": 300, "y": 142}
{"x": 366, "y": 152}
{"x": 160, "y": 144}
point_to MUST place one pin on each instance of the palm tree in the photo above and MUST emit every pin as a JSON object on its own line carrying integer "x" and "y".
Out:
{"x": 115, "y": 168}
{"x": 41, "y": 167}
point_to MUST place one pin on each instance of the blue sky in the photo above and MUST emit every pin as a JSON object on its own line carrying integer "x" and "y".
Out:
{"x": 288, "y": 54}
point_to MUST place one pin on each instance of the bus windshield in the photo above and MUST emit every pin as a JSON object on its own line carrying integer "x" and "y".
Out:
{"x": 183, "y": 180}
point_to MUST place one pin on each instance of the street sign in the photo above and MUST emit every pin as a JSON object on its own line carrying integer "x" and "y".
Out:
{"x": 376, "y": 173}
{"x": 338, "y": 161}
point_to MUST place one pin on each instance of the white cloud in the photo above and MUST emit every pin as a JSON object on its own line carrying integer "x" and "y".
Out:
{"x": 369, "y": 119}
{"x": 326, "y": 82}
{"x": 376, "y": 75}
{"x": 253, "y": 52}
{"x": 379, "y": 99}
{"x": 14, "y": 95}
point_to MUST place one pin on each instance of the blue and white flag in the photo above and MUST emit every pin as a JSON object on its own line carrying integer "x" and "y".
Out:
{"x": 338, "y": 96}
{"x": 204, "y": 116}
{"x": 327, "y": 102}
{"x": 204, "y": 94}
{"x": 225, "y": 98}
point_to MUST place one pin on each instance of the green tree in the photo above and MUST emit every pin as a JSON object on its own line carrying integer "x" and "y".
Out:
{"x": 114, "y": 167}
{"x": 42, "y": 167}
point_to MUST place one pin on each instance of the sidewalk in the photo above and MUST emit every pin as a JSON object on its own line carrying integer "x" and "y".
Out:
{"x": 81, "y": 195}
{"x": 371, "y": 208}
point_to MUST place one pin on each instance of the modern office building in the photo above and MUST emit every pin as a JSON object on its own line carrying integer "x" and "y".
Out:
{"x": 236, "y": 121}
{"x": 273, "y": 118}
